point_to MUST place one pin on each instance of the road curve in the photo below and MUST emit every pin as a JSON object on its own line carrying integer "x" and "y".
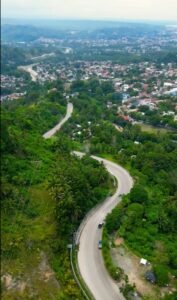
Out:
{"x": 29, "y": 69}
{"x": 90, "y": 260}
{"x": 52, "y": 131}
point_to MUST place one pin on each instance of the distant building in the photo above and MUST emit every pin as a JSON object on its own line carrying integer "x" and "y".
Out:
{"x": 125, "y": 96}
{"x": 172, "y": 92}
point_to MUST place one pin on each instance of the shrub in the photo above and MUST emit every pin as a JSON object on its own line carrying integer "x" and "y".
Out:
{"x": 161, "y": 273}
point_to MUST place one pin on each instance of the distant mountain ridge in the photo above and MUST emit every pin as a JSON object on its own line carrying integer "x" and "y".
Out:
{"x": 81, "y": 29}
{"x": 25, "y": 33}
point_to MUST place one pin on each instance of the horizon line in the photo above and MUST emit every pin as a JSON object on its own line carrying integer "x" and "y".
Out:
{"x": 86, "y": 19}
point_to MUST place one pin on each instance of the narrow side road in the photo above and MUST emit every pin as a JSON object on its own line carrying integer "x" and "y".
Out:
{"x": 90, "y": 258}
{"x": 52, "y": 131}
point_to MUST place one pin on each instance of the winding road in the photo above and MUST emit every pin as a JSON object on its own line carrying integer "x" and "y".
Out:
{"x": 90, "y": 260}
{"x": 52, "y": 131}
{"x": 29, "y": 68}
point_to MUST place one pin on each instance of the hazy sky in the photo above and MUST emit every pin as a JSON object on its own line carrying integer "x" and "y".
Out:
{"x": 91, "y": 9}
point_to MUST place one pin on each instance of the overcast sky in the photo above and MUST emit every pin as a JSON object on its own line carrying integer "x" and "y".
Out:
{"x": 91, "y": 9}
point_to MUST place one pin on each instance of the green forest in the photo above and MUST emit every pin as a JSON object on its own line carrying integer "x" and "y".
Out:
{"x": 46, "y": 192}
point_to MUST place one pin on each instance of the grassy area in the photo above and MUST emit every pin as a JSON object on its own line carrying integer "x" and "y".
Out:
{"x": 153, "y": 129}
{"x": 108, "y": 157}
{"x": 26, "y": 250}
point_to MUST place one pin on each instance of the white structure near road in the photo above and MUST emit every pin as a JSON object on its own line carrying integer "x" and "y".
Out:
{"x": 143, "y": 262}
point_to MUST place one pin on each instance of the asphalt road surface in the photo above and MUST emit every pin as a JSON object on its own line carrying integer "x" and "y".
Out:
{"x": 52, "y": 131}
{"x": 90, "y": 258}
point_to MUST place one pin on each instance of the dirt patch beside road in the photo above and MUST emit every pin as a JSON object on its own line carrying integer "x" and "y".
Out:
{"x": 135, "y": 272}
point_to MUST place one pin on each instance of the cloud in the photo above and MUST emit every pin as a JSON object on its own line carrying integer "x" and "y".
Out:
{"x": 91, "y": 9}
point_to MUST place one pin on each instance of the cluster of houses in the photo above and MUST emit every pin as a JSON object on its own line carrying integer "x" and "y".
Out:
{"x": 143, "y": 81}
{"x": 115, "y": 42}
{"x": 132, "y": 105}
{"x": 12, "y": 87}
{"x": 149, "y": 79}
{"x": 13, "y": 96}
{"x": 14, "y": 82}
{"x": 44, "y": 72}
{"x": 79, "y": 130}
